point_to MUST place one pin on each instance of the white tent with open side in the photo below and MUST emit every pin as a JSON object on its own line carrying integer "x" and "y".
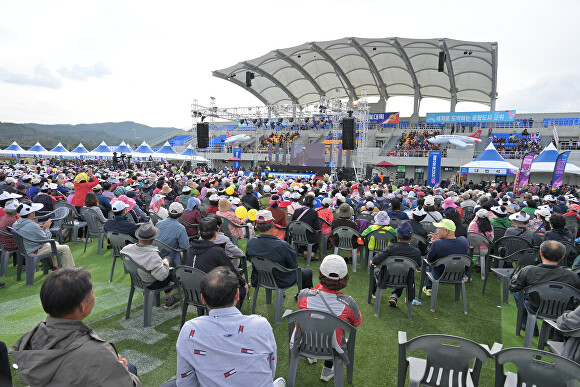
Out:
{"x": 546, "y": 161}
{"x": 489, "y": 162}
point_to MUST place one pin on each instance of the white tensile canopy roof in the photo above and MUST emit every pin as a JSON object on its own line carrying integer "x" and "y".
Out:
{"x": 386, "y": 67}
{"x": 546, "y": 161}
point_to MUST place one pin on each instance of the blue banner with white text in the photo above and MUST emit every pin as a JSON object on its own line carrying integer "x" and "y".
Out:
{"x": 238, "y": 154}
{"x": 492, "y": 116}
{"x": 434, "y": 170}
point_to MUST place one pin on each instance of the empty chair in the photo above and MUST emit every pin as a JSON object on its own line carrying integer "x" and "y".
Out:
{"x": 467, "y": 214}
{"x": 455, "y": 267}
{"x": 345, "y": 242}
{"x": 503, "y": 248}
{"x": 554, "y": 299}
{"x": 521, "y": 258}
{"x": 395, "y": 222}
{"x": 312, "y": 334}
{"x": 32, "y": 261}
{"x": 396, "y": 272}
{"x": 298, "y": 231}
{"x": 189, "y": 279}
{"x": 571, "y": 253}
{"x": 533, "y": 371}
{"x": 58, "y": 217}
{"x": 72, "y": 221}
{"x": 264, "y": 268}
{"x": 138, "y": 284}
{"x": 94, "y": 228}
{"x": 118, "y": 241}
{"x": 447, "y": 362}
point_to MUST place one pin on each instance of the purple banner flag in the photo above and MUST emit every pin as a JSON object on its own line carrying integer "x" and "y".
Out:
{"x": 525, "y": 169}
{"x": 559, "y": 168}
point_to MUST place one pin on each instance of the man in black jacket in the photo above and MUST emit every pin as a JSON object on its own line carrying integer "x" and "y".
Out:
{"x": 120, "y": 223}
{"x": 249, "y": 200}
{"x": 205, "y": 255}
{"x": 401, "y": 247}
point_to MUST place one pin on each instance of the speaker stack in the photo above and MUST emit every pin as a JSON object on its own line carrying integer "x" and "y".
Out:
{"x": 203, "y": 135}
{"x": 348, "y": 133}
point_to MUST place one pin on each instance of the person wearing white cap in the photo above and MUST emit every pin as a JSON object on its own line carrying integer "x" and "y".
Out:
{"x": 45, "y": 198}
{"x": 501, "y": 219}
{"x": 269, "y": 246}
{"x": 295, "y": 197}
{"x": 333, "y": 276}
{"x": 213, "y": 204}
{"x": 173, "y": 233}
{"x": 31, "y": 230}
{"x": 541, "y": 223}
{"x": 520, "y": 221}
{"x": 8, "y": 242}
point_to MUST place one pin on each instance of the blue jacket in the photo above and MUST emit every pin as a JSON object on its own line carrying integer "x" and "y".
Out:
{"x": 276, "y": 250}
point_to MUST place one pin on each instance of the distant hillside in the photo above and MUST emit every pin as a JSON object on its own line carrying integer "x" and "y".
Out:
{"x": 90, "y": 135}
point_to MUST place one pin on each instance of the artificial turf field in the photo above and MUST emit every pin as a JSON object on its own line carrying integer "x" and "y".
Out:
{"x": 152, "y": 349}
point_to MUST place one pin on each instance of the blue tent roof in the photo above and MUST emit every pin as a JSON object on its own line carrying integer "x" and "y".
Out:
{"x": 548, "y": 155}
{"x": 80, "y": 149}
{"x": 489, "y": 162}
{"x": 143, "y": 148}
{"x": 124, "y": 148}
{"x": 59, "y": 148}
{"x": 14, "y": 147}
{"x": 490, "y": 154}
{"x": 167, "y": 149}
{"x": 37, "y": 148}
{"x": 189, "y": 151}
{"x": 103, "y": 148}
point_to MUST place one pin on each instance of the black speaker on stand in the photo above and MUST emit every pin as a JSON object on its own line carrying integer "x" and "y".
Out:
{"x": 202, "y": 135}
{"x": 442, "y": 59}
{"x": 348, "y": 133}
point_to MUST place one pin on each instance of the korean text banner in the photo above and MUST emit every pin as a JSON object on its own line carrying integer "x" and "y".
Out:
{"x": 559, "y": 168}
{"x": 494, "y": 116}
{"x": 383, "y": 118}
{"x": 525, "y": 169}
{"x": 238, "y": 154}
{"x": 434, "y": 169}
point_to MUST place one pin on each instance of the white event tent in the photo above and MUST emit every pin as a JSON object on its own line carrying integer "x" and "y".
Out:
{"x": 546, "y": 160}
{"x": 489, "y": 162}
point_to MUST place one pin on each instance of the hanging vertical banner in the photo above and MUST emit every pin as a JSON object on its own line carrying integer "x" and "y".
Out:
{"x": 523, "y": 177}
{"x": 434, "y": 170}
{"x": 559, "y": 168}
{"x": 238, "y": 154}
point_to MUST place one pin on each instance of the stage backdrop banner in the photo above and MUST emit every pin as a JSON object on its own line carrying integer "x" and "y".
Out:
{"x": 238, "y": 154}
{"x": 559, "y": 168}
{"x": 307, "y": 155}
{"x": 493, "y": 116}
{"x": 383, "y": 118}
{"x": 434, "y": 172}
{"x": 524, "y": 173}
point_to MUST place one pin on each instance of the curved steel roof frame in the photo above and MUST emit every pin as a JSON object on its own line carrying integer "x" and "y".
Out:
{"x": 304, "y": 73}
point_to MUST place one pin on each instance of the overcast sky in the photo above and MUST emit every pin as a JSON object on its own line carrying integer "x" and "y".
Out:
{"x": 99, "y": 61}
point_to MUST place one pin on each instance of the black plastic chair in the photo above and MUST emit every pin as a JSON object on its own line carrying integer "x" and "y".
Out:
{"x": 381, "y": 239}
{"x": 395, "y": 272}
{"x": 533, "y": 371}
{"x": 264, "y": 268}
{"x": 138, "y": 284}
{"x": 190, "y": 279}
{"x": 345, "y": 242}
{"x": 299, "y": 232}
{"x": 225, "y": 229}
{"x": 72, "y": 222}
{"x": 368, "y": 217}
{"x": 521, "y": 258}
{"x": 190, "y": 225}
{"x": 118, "y": 241}
{"x": 166, "y": 251}
{"x": 455, "y": 267}
{"x": 314, "y": 330}
{"x": 498, "y": 232}
{"x": 572, "y": 252}
{"x": 32, "y": 261}
{"x": 467, "y": 214}
{"x": 554, "y": 298}
{"x": 508, "y": 245}
{"x": 556, "y": 347}
{"x": 446, "y": 364}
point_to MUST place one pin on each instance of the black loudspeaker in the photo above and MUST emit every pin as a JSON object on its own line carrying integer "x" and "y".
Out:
{"x": 346, "y": 174}
{"x": 441, "y": 62}
{"x": 348, "y": 133}
{"x": 202, "y": 135}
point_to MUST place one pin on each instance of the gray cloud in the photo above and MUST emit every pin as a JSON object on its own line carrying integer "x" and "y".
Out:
{"x": 42, "y": 77}
{"x": 82, "y": 73}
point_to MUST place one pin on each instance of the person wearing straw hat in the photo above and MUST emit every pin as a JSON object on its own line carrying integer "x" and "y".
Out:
{"x": 33, "y": 231}
{"x": 520, "y": 221}
{"x": 156, "y": 269}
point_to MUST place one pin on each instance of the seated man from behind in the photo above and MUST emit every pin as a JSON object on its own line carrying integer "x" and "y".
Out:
{"x": 173, "y": 233}
{"x": 64, "y": 351}
{"x": 121, "y": 224}
{"x": 402, "y": 248}
{"x": 551, "y": 252}
{"x": 205, "y": 255}
{"x": 267, "y": 245}
{"x": 226, "y": 348}
{"x": 232, "y": 251}
{"x": 156, "y": 270}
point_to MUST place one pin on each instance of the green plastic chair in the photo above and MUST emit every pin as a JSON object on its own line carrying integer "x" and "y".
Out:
{"x": 298, "y": 232}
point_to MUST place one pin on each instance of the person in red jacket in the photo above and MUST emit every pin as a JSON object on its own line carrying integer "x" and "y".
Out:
{"x": 84, "y": 183}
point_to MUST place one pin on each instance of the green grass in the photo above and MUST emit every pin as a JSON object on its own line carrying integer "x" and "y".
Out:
{"x": 153, "y": 349}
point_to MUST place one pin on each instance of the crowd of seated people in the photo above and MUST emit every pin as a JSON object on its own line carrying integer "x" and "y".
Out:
{"x": 516, "y": 145}
{"x": 279, "y": 139}
{"x": 414, "y": 144}
{"x": 443, "y": 217}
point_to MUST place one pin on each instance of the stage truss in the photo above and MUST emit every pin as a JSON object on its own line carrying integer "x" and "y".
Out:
{"x": 331, "y": 110}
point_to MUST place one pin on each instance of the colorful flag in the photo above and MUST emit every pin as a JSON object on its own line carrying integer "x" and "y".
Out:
{"x": 559, "y": 168}
{"x": 524, "y": 174}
